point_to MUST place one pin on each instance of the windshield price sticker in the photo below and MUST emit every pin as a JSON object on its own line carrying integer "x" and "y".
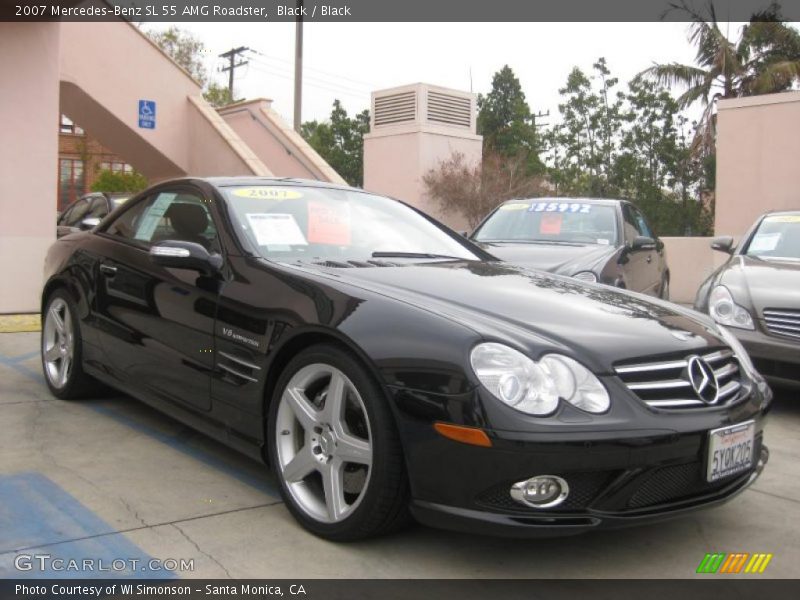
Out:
{"x": 783, "y": 219}
{"x": 329, "y": 223}
{"x": 267, "y": 193}
{"x": 273, "y": 229}
{"x": 514, "y": 206}
{"x": 550, "y": 224}
{"x": 563, "y": 207}
{"x": 765, "y": 242}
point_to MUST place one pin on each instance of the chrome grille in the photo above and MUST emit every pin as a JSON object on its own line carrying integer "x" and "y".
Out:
{"x": 666, "y": 383}
{"x": 783, "y": 321}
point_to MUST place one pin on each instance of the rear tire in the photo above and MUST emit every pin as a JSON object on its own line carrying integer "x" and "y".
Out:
{"x": 61, "y": 349}
{"x": 334, "y": 446}
{"x": 664, "y": 292}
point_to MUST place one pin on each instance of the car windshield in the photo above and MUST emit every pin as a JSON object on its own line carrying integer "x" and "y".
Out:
{"x": 323, "y": 224}
{"x": 559, "y": 221}
{"x": 117, "y": 201}
{"x": 777, "y": 238}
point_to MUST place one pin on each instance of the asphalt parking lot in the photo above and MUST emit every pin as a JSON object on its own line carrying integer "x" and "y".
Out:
{"x": 113, "y": 479}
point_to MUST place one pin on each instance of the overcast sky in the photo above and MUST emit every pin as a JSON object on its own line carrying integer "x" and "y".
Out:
{"x": 348, "y": 61}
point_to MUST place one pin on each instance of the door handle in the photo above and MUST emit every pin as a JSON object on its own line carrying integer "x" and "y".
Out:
{"x": 108, "y": 270}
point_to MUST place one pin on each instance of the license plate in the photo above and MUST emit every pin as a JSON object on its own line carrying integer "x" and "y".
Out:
{"x": 730, "y": 450}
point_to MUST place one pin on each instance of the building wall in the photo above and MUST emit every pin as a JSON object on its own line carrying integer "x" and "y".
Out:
{"x": 28, "y": 159}
{"x": 397, "y": 155}
{"x": 758, "y": 148}
{"x": 274, "y": 141}
{"x": 691, "y": 260}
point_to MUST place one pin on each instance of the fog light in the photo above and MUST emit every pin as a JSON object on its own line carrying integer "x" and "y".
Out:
{"x": 542, "y": 491}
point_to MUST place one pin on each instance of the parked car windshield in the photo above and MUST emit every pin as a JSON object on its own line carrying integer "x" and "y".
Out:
{"x": 777, "y": 237}
{"x": 309, "y": 223}
{"x": 550, "y": 221}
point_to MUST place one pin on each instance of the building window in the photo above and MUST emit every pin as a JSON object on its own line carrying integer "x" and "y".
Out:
{"x": 116, "y": 167}
{"x": 70, "y": 181}
{"x": 67, "y": 126}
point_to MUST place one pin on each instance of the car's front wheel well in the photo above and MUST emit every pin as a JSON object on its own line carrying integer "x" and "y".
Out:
{"x": 49, "y": 289}
{"x": 293, "y": 347}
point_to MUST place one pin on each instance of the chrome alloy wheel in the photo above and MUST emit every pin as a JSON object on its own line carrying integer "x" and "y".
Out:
{"x": 323, "y": 443}
{"x": 58, "y": 343}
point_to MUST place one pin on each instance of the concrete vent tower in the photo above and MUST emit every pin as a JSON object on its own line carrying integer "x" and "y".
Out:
{"x": 413, "y": 128}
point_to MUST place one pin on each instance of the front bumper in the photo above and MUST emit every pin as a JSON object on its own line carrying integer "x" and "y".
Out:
{"x": 528, "y": 524}
{"x": 776, "y": 358}
{"x": 632, "y": 466}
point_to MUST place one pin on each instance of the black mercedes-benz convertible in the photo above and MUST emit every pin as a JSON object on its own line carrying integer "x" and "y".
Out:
{"x": 386, "y": 367}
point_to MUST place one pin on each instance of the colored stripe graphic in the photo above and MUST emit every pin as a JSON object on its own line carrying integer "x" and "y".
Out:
{"x": 758, "y": 563}
{"x": 732, "y": 564}
{"x": 711, "y": 562}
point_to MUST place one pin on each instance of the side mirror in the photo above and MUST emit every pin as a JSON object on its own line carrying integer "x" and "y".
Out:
{"x": 643, "y": 242}
{"x": 723, "y": 243}
{"x": 89, "y": 223}
{"x": 185, "y": 255}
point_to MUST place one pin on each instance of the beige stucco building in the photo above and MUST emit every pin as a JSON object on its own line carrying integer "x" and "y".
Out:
{"x": 76, "y": 71}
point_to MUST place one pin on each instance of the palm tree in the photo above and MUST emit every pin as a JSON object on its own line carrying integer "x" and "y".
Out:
{"x": 765, "y": 59}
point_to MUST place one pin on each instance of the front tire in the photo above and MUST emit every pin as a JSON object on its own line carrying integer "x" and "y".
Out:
{"x": 62, "y": 349}
{"x": 335, "y": 449}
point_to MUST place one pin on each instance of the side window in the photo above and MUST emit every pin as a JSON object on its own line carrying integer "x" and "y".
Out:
{"x": 629, "y": 223}
{"x": 98, "y": 208}
{"x": 182, "y": 216}
{"x": 641, "y": 224}
{"x": 62, "y": 220}
{"x": 77, "y": 214}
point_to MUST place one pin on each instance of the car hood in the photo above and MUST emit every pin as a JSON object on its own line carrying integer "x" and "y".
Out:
{"x": 598, "y": 324}
{"x": 765, "y": 283}
{"x": 565, "y": 259}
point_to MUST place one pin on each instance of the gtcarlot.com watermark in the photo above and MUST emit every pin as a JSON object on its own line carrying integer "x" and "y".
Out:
{"x": 54, "y": 564}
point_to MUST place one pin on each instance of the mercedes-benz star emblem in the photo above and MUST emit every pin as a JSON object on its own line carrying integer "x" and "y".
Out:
{"x": 703, "y": 380}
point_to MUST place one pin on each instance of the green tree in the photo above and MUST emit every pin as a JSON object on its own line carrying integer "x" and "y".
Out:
{"x": 506, "y": 123}
{"x": 473, "y": 190}
{"x": 340, "y": 141}
{"x": 583, "y": 146}
{"x": 187, "y": 50}
{"x": 631, "y": 144}
{"x": 184, "y": 48}
{"x": 764, "y": 59}
{"x": 116, "y": 181}
{"x": 217, "y": 95}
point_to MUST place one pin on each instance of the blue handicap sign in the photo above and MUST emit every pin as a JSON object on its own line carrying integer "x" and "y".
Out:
{"x": 147, "y": 114}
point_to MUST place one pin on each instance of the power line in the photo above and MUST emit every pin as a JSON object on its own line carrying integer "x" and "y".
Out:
{"x": 338, "y": 91}
{"x": 233, "y": 65}
{"x": 365, "y": 84}
{"x": 265, "y": 67}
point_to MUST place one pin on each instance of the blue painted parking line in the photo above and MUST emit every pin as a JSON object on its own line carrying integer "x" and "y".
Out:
{"x": 181, "y": 443}
{"x": 36, "y": 512}
{"x": 15, "y": 362}
{"x": 177, "y": 441}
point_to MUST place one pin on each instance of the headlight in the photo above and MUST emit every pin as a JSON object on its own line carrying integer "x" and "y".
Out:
{"x": 535, "y": 387}
{"x": 586, "y": 276}
{"x": 741, "y": 353}
{"x": 725, "y": 311}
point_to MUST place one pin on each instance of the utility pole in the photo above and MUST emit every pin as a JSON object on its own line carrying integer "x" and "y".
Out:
{"x": 298, "y": 67}
{"x": 232, "y": 65}
{"x": 540, "y": 115}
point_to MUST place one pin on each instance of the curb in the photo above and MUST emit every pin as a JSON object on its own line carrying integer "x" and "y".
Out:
{"x": 20, "y": 323}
